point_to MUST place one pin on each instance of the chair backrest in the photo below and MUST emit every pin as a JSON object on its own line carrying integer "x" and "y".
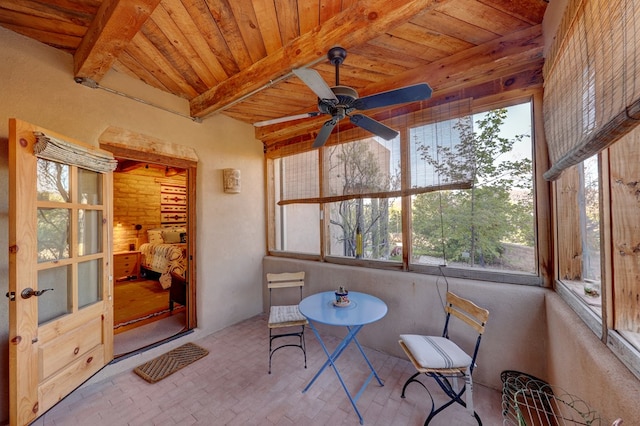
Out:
{"x": 471, "y": 314}
{"x": 467, "y": 311}
{"x": 285, "y": 279}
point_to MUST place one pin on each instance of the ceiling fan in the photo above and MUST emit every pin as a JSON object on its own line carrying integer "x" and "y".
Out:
{"x": 341, "y": 101}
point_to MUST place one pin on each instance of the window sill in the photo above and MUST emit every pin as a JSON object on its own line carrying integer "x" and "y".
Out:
{"x": 507, "y": 277}
{"x": 590, "y": 318}
{"x": 620, "y": 343}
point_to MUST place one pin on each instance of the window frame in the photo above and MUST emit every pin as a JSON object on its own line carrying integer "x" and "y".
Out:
{"x": 541, "y": 209}
{"x": 602, "y": 326}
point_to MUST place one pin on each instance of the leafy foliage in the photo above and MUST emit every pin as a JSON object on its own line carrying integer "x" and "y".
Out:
{"x": 471, "y": 225}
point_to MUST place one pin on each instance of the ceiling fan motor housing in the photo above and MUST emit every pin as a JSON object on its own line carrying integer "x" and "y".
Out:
{"x": 346, "y": 98}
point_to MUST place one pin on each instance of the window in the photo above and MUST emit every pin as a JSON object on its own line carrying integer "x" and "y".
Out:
{"x": 457, "y": 187}
{"x": 296, "y": 177}
{"x": 579, "y": 209}
{"x": 596, "y": 244}
{"x": 490, "y": 225}
{"x": 582, "y": 273}
{"x": 295, "y": 234}
{"x": 360, "y": 227}
{"x": 366, "y": 228}
{"x": 591, "y": 93}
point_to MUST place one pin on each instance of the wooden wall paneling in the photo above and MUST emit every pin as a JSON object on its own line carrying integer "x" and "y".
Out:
{"x": 543, "y": 204}
{"x": 568, "y": 242}
{"x": 606, "y": 246}
{"x": 625, "y": 230}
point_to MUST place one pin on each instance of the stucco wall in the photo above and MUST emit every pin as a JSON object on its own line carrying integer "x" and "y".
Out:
{"x": 530, "y": 329}
{"x": 36, "y": 85}
{"x": 582, "y": 365}
{"x": 515, "y": 337}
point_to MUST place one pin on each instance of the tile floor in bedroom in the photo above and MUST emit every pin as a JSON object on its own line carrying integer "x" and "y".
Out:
{"x": 230, "y": 386}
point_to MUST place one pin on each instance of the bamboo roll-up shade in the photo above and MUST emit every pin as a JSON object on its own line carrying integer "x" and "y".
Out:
{"x": 62, "y": 151}
{"x": 364, "y": 166}
{"x": 298, "y": 176}
{"x": 592, "y": 80}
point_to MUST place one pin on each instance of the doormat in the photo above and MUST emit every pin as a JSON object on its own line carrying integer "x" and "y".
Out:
{"x": 167, "y": 364}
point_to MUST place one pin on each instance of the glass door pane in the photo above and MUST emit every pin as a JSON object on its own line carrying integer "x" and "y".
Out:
{"x": 89, "y": 282}
{"x": 89, "y": 232}
{"x": 89, "y": 187}
{"x": 57, "y": 301}
{"x": 53, "y": 234}
{"x": 52, "y": 181}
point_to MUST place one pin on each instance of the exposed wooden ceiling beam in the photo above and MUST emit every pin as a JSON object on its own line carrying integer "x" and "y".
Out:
{"x": 115, "y": 24}
{"x": 352, "y": 27}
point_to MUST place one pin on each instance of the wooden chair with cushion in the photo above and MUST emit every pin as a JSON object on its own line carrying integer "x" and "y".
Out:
{"x": 440, "y": 358}
{"x": 286, "y": 317}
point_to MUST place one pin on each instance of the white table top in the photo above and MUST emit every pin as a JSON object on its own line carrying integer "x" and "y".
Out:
{"x": 362, "y": 309}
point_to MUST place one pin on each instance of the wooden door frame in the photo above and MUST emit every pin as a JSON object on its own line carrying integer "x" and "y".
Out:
{"x": 190, "y": 165}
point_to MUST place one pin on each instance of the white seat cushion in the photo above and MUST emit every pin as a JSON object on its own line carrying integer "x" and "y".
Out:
{"x": 285, "y": 314}
{"x": 435, "y": 351}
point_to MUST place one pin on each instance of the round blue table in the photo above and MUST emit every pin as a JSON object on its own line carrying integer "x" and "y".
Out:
{"x": 363, "y": 309}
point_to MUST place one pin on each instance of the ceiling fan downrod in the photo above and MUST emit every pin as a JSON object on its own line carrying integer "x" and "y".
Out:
{"x": 336, "y": 56}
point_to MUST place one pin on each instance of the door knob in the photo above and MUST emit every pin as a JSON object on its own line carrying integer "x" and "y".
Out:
{"x": 28, "y": 292}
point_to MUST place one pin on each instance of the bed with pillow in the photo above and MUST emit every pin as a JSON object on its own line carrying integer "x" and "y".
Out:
{"x": 165, "y": 254}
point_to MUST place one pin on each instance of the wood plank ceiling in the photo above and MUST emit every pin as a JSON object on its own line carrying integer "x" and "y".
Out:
{"x": 235, "y": 56}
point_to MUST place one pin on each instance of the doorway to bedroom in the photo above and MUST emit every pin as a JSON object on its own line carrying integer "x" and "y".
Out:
{"x": 153, "y": 243}
{"x": 149, "y": 252}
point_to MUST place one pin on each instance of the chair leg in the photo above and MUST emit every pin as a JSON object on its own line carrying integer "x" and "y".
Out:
{"x": 409, "y": 380}
{"x": 301, "y": 344}
{"x": 270, "y": 350}
{"x": 447, "y": 387}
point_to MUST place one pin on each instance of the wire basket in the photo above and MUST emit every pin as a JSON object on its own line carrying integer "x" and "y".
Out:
{"x": 529, "y": 401}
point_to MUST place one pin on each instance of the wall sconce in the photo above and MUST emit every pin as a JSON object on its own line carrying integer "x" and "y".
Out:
{"x": 231, "y": 181}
